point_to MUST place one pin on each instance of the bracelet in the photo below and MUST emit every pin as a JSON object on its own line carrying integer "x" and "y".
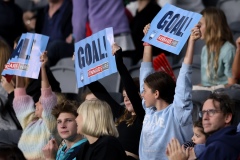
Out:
{"x": 146, "y": 44}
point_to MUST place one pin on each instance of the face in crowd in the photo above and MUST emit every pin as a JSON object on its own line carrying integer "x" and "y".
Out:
{"x": 67, "y": 126}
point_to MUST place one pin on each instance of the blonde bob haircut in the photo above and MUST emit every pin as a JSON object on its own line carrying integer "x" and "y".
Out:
{"x": 97, "y": 119}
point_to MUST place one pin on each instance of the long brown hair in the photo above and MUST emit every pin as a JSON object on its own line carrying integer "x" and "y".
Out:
{"x": 127, "y": 116}
{"x": 5, "y": 53}
{"x": 216, "y": 34}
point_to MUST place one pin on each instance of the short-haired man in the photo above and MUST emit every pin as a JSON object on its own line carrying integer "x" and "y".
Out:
{"x": 65, "y": 113}
{"x": 224, "y": 140}
{"x": 217, "y": 116}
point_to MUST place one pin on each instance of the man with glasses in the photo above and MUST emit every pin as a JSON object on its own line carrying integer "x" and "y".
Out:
{"x": 224, "y": 140}
{"x": 217, "y": 116}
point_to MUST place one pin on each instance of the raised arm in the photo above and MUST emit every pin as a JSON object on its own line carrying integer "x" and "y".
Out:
{"x": 182, "y": 102}
{"x": 23, "y": 104}
{"x": 48, "y": 99}
{"x": 236, "y": 62}
{"x": 193, "y": 37}
{"x": 147, "y": 52}
{"x": 44, "y": 78}
{"x": 131, "y": 89}
{"x": 146, "y": 65}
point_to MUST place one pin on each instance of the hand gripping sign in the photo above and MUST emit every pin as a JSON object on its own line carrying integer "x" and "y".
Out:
{"x": 25, "y": 59}
{"x": 93, "y": 57}
{"x": 171, "y": 28}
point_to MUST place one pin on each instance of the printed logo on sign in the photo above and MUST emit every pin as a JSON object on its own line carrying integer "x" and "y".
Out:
{"x": 19, "y": 66}
{"x": 98, "y": 69}
{"x": 168, "y": 41}
{"x": 81, "y": 77}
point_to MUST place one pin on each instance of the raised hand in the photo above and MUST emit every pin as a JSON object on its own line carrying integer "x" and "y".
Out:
{"x": 195, "y": 33}
{"x": 174, "y": 151}
{"x": 9, "y": 87}
{"x": 44, "y": 59}
{"x": 50, "y": 149}
{"x": 146, "y": 28}
{"x": 115, "y": 48}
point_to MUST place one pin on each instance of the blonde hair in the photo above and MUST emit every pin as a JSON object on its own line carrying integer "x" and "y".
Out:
{"x": 5, "y": 53}
{"x": 216, "y": 34}
{"x": 97, "y": 118}
{"x": 61, "y": 98}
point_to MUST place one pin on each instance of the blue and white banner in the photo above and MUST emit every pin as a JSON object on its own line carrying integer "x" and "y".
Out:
{"x": 171, "y": 28}
{"x": 25, "y": 59}
{"x": 93, "y": 57}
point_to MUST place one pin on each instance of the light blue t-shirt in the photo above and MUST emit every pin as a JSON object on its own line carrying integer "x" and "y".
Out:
{"x": 175, "y": 121}
{"x": 224, "y": 70}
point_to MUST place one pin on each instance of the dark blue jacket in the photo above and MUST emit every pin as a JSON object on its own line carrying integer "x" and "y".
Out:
{"x": 222, "y": 145}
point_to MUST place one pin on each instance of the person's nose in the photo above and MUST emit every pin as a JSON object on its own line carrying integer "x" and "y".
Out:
{"x": 205, "y": 116}
{"x": 142, "y": 95}
{"x": 193, "y": 138}
{"x": 63, "y": 125}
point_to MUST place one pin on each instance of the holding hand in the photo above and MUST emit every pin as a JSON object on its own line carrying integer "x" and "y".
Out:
{"x": 195, "y": 33}
{"x": 115, "y": 48}
{"x": 44, "y": 59}
{"x": 146, "y": 28}
{"x": 50, "y": 150}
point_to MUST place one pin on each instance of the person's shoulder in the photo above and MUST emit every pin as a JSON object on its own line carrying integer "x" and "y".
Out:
{"x": 228, "y": 45}
{"x": 108, "y": 139}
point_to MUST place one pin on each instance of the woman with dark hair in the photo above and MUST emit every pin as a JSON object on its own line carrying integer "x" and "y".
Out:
{"x": 129, "y": 119}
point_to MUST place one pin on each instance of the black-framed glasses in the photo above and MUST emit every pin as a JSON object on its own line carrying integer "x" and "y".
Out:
{"x": 209, "y": 112}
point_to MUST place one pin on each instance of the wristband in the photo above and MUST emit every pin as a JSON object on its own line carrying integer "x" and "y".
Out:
{"x": 146, "y": 44}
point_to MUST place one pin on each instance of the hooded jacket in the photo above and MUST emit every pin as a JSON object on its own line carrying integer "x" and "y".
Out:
{"x": 223, "y": 144}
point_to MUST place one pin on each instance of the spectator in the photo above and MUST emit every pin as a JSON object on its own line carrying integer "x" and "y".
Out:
{"x": 10, "y": 129}
{"x": 11, "y": 23}
{"x": 95, "y": 122}
{"x": 129, "y": 119}
{"x": 199, "y": 136}
{"x": 99, "y": 14}
{"x": 217, "y": 113}
{"x": 167, "y": 109}
{"x": 218, "y": 53}
{"x": 65, "y": 114}
{"x": 39, "y": 125}
{"x": 199, "y": 139}
{"x": 54, "y": 20}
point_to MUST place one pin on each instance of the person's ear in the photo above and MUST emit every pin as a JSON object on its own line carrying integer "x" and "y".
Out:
{"x": 156, "y": 94}
{"x": 228, "y": 118}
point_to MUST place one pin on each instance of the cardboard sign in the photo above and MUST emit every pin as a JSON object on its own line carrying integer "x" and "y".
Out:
{"x": 93, "y": 57}
{"x": 25, "y": 59}
{"x": 171, "y": 28}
